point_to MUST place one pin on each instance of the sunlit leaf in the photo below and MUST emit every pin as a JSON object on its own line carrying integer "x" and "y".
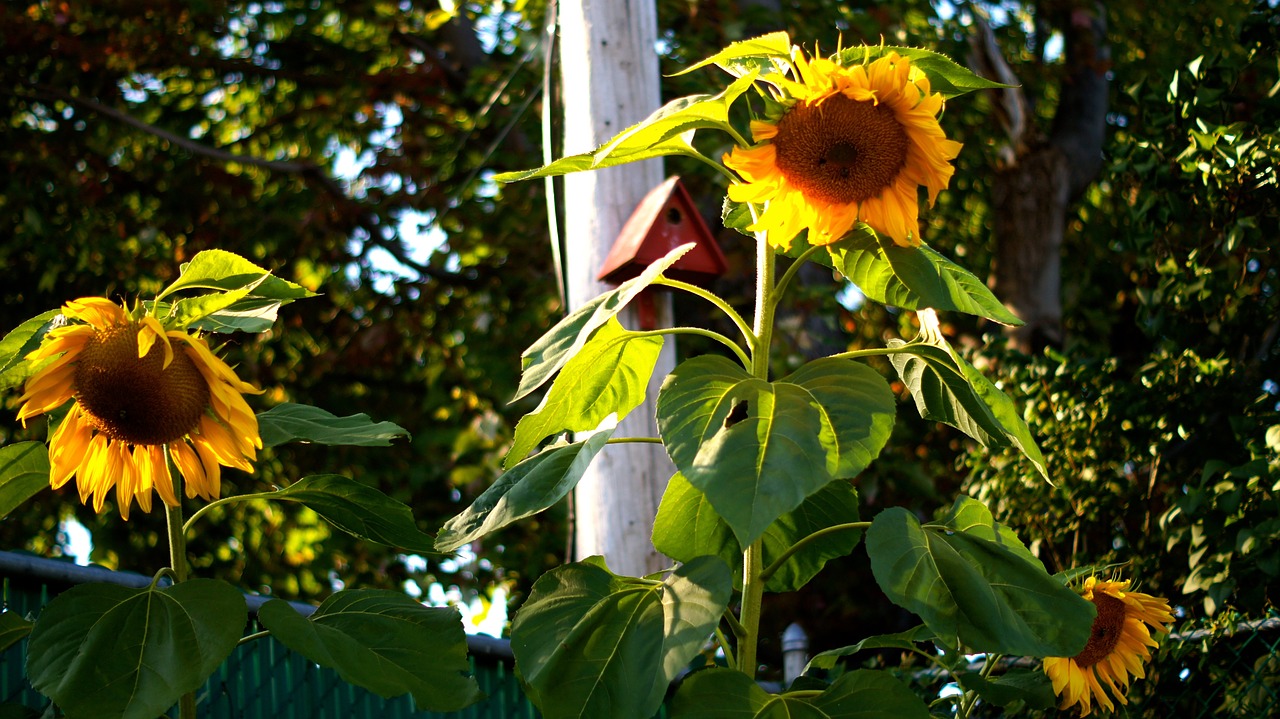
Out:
{"x": 106, "y": 650}
{"x": 357, "y": 509}
{"x": 289, "y": 422}
{"x": 526, "y": 489}
{"x": 385, "y": 642}
{"x": 24, "y": 471}
{"x": 610, "y": 375}
{"x": 739, "y": 55}
{"x": 945, "y": 75}
{"x": 222, "y": 270}
{"x": 589, "y": 643}
{"x": 675, "y": 119}
{"x": 24, "y": 338}
{"x": 550, "y": 352}
{"x": 677, "y": 145}
{"x": 972, "y": 589}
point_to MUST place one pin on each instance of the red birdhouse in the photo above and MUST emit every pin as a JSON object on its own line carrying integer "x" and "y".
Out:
{"x": 664, "y": 220}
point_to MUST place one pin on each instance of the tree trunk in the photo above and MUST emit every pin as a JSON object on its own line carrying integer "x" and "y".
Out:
{"x": 609, "y": 72}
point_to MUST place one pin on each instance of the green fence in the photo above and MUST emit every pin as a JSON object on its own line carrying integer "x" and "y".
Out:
{"x": 261, "y": 679}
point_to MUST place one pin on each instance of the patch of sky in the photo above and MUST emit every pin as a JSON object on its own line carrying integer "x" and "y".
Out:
{"x": 79, "y": 542}
{"x": 480, "y": 615}
{"x": 850, "y": 297}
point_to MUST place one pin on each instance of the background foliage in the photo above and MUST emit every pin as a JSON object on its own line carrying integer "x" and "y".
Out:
{"x": 347, "y": 146}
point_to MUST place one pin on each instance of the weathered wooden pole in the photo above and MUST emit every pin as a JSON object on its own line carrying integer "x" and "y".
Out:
{"x": 609, "y": 74}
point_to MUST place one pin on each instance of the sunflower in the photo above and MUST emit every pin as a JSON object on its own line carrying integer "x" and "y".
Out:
{"x": 1117, "y": 646}
{"x": 139, "y": 389}
{"x": 852, "y": 144}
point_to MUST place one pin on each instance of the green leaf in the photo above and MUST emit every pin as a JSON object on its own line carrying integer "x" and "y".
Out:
{"x": 251, "y": 314}
{"x": 24, "y": 471}
{"x": 550, "y": 352}
{"x": 676, "y": 118}
{"x": 969, "y": 588}
{"x": 105, "y": 650}
{"x": 13, "y": 629}
{"x": 757, "y": 448}
{"x": 303, "y": 423}
{"x": 906, "y": 641}
{"x": 686, "y": 527}
{"x": 742, "y": 57}
{"x": 948, "y": 389}
{"x": 610, "y": 375}
{"x": 357, "y": 509}
{"x": 945, "y": 75}
{"x": 913, "y": 277}
{"x": 972, "y": 517}
{"x": 23, "y": 339}
{"x": 526, "y": 489}
{"x": 191, "y": 310}
{"x": 589, "y": 643}
{"x": 385, "y": 642}
{"x": 1025, "y": 685}
{"x": 861, "y": 694}
{"x": 222, "y": 270}
{"x": 678, "y": 145}
{"x": 18, "y": 711}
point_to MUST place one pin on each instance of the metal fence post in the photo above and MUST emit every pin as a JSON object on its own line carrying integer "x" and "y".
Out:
{"x": 795, "y": 652}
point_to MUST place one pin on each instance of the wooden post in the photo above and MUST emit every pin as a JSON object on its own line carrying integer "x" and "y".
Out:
{"x": 609, "y": 72}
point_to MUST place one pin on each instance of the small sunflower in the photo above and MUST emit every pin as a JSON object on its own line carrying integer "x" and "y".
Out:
{"x": 853, "y": 144}
{"x": 139, "y": 389}
{"x": 1117, "y": 646}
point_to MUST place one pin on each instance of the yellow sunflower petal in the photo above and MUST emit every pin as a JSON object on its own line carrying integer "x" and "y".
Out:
{"x": 151, "y": 331}
{"x": 97, "y": 311}
{"x": 67, "y": 447}
{"x": 189, "y": 465}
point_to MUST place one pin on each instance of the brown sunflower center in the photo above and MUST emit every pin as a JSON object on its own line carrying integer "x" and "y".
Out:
{"x": 136, "y": 400}
{"x": 1107, "y": 627}
{"x": 841, "y": 150}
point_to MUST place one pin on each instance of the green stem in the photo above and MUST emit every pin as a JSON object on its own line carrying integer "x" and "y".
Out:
{"x": 753, "y": 557}
{"x": 742, "y": 356}
{"x": 774, "y": 566}
{"x": 726, "y": 648}
{"x": 714, "y": 299}
{"x": 178, "y": 561}
{"x": 251, "y": 637}
{"x": 734, "y": 625}
{"x": 634, "y": 440}
{"x": 792, "y": 271}
{"x": 876, "y": 352}
{"x": 970, "y": 698}
{"x": 712, "y": 163}
{"x": 219, "y": 502}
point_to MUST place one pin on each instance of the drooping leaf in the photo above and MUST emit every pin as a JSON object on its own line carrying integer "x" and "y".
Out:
{"x": 741, "y": 57}
{"x": 945, "y": 75}
{"x": 676, "y": 118}
{"x": 677, "y": 145}
{"x": 105, "y": 650}
{"x": 687, "y": 526}
{"x": 610, "y": 375}
{"x": 290, "y": 422}
{"x": 550, "y": 352}
{"x": 861, "y": 694}
{"x": 526, "y": 489}
{"x": 1025, "y": 685}
{"x": 589, "y": 643}
{"x": 756, "y": 448}
{"x": 948, "y": 389}
{"x": 192, "y": 310}
{"x": 23, "y": 339}
{"x": 24, "y": 471}
{"x": 385, "y": 642}
{"x": 972, "y": 590}
{"x": 13, "y": 629}
{"x": 906, "y": 641}
{"x": 222, "y": 270}
{"x": 357, "y": 509}
{"x": 251, "y": 314}
{"x": 913, "y": 277}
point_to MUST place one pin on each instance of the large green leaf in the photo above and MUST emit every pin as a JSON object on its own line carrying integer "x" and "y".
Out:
{"x": 744, "y": 56}
{"x": 688, "y": 527}
{"x": 610, "y": 375}
{"x": 526, "y": 489}
{"x": 222, "y": 270}
{"x": 945, "y": 75}
{"x": 913, "y": 277}
{"x": 104, "y": 650}
{"x": 861, "y": 694}
{"x": 1031, "y": 686}
{"x": 251, "y": 314}
{"x": 385, "y": 642}
{"x": 756, "y": 448}
{"x": 13, "y": 629}
{"x": 589, "y": 643}
{"x": 24, "y": 338}
{"x": 290, "y": 422}
{"x": 24, "y": 471}
{"x": 677, "y": 145}
{"x": 906, "y": 641}
{"x": 550, "y": 352}
{"x": 969, "y": 586}
{"x": 948, "y": 389}
{"x": 676, "y": 118}
{"x": 357, "y": 509}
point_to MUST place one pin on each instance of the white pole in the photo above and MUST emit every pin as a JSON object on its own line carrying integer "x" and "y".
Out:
{"x": 609, "y": 72}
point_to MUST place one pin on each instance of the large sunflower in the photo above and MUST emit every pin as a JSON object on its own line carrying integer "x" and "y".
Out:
{"x": 1117, "y": 646}
{"x": 139, "y": 389}
{"x": 852, "y": 144}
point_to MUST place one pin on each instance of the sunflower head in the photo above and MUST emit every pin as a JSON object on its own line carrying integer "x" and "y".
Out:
{"x": 1119, "y": 642}
{"x": 142, "y": 396}
{"x": 846, "y": 144}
